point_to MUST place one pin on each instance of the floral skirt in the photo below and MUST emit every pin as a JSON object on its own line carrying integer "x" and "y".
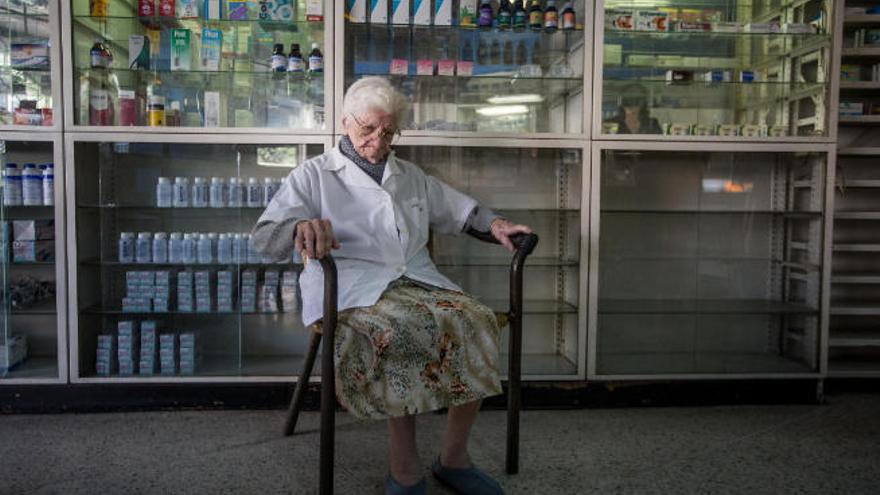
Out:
{"x": 415, "y": 350}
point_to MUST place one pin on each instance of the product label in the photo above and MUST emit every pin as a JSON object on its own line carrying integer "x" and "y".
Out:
{"x": 316, "y": 63}
{"x": 212, "y": 41}
{"x": 156, "y": 117}
{"x": 568, "y": 21}
{"x": 399, "y": 66}
{"x": 166, "y": 8}
{"x": 314, "y": 10}
{"x": 445, "y": 68}
{"x": 276, "y": 10}
{"x": 425, "y": 67}
{"x": 551, "y": 20}
{"x": 99, "y": 99}
{"x": 467, "y": 13}
{"x": 465, "y": 68}
{"x": 98, "y": 8}
{"x": 295, "y": 64}
{"x": 279, "y": 63}
{"x": 146, "y": 8}
{"x": 237, "y": 10}
{"x": 187, "y": 9}
{"x": 535, "y": 18}
{"x": 180, "y": 49}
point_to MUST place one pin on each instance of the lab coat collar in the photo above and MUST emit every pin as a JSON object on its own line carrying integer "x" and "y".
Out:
{"x": 351, "y": 174}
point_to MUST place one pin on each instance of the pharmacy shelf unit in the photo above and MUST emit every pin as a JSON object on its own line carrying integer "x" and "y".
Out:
{"x": 251, "y": 99}
{"x": 28, "y": 27}
{"x": 499, "y": 98}
{"x": 708, "y": 261}
{"x": 113, "y": 189}
{"x": 786, "y": 102}
{"x": 854, "y": 337}
{"x": 42, "y": 325}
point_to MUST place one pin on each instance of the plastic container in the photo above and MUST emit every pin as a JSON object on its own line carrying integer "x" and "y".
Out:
{"x": 164, "y": 193}
{"x": 12, "y": 185}
{"x": 217, "y": 194}
{"x": 32, "y": 185}
{"x": 175, "y": 248}
{"x": 181, "y": 192}
{"x": 254, "y": 193}
{"x": 252, "y": 256}
{"x": 143, "y": 248}
{"x": 239, "y": 249}
{"x": 235, "y": 193}
{"x": 189, "y": 248}
{"x": 204, "y": 249}
{"x": 160, "y": 247}
{"x": 49, "y": 184}
{"x": 270, "y": 187}
{"x": 200, "y": 193}
{"x": 224, "y": 248}
{"x": 126, "y": 247}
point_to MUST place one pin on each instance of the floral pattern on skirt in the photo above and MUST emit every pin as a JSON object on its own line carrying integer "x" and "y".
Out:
{"x": 416, "y": 350}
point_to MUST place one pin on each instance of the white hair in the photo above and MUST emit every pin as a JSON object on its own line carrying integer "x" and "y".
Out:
{"x": 374, "y": 93}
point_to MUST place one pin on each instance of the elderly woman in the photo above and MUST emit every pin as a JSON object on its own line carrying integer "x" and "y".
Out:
{"x": 409, "y": 341}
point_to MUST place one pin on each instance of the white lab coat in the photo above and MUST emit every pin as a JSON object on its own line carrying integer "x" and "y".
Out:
{"x": 383, "y": 230}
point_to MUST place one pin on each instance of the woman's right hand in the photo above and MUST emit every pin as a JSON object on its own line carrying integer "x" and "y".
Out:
{"x": 314, "y": 238}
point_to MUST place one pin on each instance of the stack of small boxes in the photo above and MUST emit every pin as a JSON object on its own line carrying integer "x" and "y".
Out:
{"x": 140, "y": 289}
{"x": 225, "y": 288}
{"x": 203, "y": 292}
{"x": 289, "y": 301}
{"x": 269, "y": 292}
{"x": 185, "y": 291}
{"x": 13, "y": 350}
{"x": 127, "y": 343}
{"x": 148, "y": 347}
{"x": 168, "y": 353}
{"x": 32, "y": 240}
{"x": 248, "y": 291}
{"x": 105, "y": 356}
{"x": 187, "y": 353}
{"x": 162, "y": 295}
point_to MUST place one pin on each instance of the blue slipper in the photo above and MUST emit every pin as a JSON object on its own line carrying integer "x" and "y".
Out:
{"x": 466, "y": 481}
{"x": 392, "y": 487}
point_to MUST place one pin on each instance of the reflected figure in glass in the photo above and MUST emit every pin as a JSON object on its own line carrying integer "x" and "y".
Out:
{"x": 633, "y": 115}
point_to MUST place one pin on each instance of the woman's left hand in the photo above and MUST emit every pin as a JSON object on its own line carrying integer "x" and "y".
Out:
{"x": 502, "y": 229}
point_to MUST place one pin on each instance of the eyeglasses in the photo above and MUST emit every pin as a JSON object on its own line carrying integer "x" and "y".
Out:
{"x": 365, "y": 131}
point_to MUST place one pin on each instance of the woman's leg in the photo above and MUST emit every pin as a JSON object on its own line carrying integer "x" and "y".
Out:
{"x": 403, "y": 456}
{"x": 458, "y": 428}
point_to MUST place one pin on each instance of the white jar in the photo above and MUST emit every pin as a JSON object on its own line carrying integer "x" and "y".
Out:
{"x": 160, "y": 247}
{"x": 218, "y": 192}
{"x": 164, "y": 193}
{"x": 236, "y": 193}
{"x": 224, "y": 249}
{"x": 32, "y": 185}
{"x": 126, "y": 247}
{"x": 253, "y": 257}
{"x": 239, "y": 249}
{"x": 204, "y": 249}
{"x": 270, "y": 187}
{"x": 49, "y": 184}
{"x": 189, "y": 248}
{"x": 143, "y": 248}
{"x": 199, "y": 196}
{"x": 181, "y": 192}
{"x": 175, "y": 248}
{"x": 12, "y": 185}
{"x": 254, "y": 193}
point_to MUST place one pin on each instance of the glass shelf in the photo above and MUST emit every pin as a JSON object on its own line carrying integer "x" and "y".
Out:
{"x": 151, "y": 21}
{"x": 700, "y": 306}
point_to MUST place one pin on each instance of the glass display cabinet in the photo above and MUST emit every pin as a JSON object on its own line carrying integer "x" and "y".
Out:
{"x": 199, "y": 64}
{"x": 167, "y": 286}
{"x": 539, "y": 184}
{"x": 28, "y": 59}
{"x": 507, "y": 68}
{"x": 32, "y": 344}
{"x": 713, "y": 69}
{"x": 709, "y": 261}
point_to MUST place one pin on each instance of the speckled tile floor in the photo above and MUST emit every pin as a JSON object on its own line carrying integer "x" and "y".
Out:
{"x": 832, "y": 448}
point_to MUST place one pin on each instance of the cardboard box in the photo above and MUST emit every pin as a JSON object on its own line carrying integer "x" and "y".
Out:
{"x": 29, "y": 54}
{"x": 181, "y": 50}
{"x": 379, "y": 11}
{"x": 212, "y": 41}
{"x": 32, "y": 251}
{"x": 212, "y": 9}
{"x": 357, "y": 10}
{"x": 467, "y": 13}
{"x": 442, "y": 12}
{"x": 422, "y": 12}
{"x": 33, "y": 230}
{"x": 314, "y": 10}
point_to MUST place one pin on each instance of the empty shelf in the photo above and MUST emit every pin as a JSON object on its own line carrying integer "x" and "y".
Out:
{"x": 857, "y": 215}
{"x": 859, "y": 151}
{"x": 859, "y": 85}
{"x": 855, "y": 278}
{"x": 858, "y": 183}
{"x": 856, "y": 308}
{"x": 855, "y": 338}
{"x": 860, "y": 119}
{"x": 853, "y": 367}
{"x": 658, "y": 363}
{"x": 857, "y": 248}
{"x": 700, "y": 306}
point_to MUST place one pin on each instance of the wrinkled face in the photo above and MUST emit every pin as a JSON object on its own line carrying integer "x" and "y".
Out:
{"x": 371, "y": 133}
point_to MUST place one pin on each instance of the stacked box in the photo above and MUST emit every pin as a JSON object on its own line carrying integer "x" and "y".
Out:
{"x": 149, "y": 347}
{"x": 33, "y": 240}
{"x": 105, "y": 356}
{"x": 289, "y": 299}
{"x": 225, "y": 287}
{"x": 185, "y": 292}
{"x": 162, "y": 294}
{"x": 140, "y": 289}
{"x": 33, "y": 230}
{"x": 203, "y": 292}
{"x": 248, "y": 295}
{"x": 187, "y": 359}
{"x": 268, "y": 301}
{"x": 168, "y": 353}
{"x": 12, "y": 351}
{"x": 127, "y": 346}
